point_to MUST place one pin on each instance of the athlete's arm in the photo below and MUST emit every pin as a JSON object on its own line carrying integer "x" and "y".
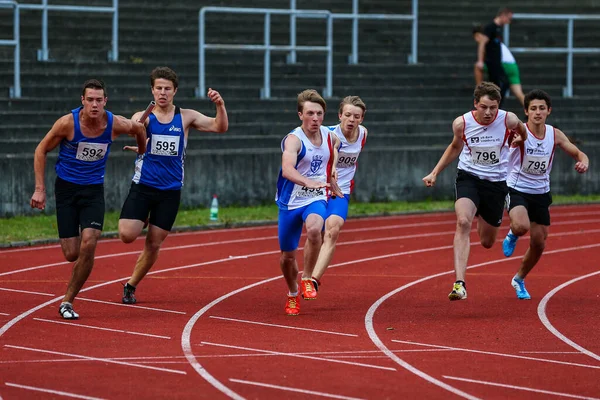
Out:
{"x": 517, "y": 128}
{"x": 452, "y": 152}
{"x": 132, "y": 127}
{"x": 201, "y": 122}
{"x": 335, "y": 189}
{"x": 563, "y": 142}
{"x": 59, "y": 131}
{"x": 291, "y": 148}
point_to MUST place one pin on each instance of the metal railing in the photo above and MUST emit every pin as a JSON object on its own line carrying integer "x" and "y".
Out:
{"x": 569, "y": 50}
{"x": 266, "y": 47}
{"x": 15, "y": 90}
{"x": 43, "y": 53}
{"x": 355, "y": 16}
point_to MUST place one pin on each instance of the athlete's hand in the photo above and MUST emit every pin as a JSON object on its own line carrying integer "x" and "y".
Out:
{"x": 38, "y": 200}
{"x": 581, "y": 167}
{"x": 131, "y": 148}
{"x": 430, "y": 179}
{"x": 215, "y": 97}
{"x": 515, "y": 139}
{"x": 335, "y": 189}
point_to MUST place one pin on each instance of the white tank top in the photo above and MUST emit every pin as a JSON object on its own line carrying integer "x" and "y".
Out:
{"x": 485, "y": 150}
{"x": 348, "y": 158}
{"x": 507, "y": 57}
{"x": 313, "y": 162}
{"x": 529, "y": 165}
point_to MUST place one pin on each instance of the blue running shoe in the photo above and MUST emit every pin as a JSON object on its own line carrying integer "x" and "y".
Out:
{"x": 519, "y": 285}
{"x": 509, "y": 243}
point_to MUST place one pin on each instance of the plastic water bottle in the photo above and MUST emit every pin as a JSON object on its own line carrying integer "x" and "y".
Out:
{"x": 214, "y": 208}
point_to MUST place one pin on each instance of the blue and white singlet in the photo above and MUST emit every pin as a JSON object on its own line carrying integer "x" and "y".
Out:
{"x": 313, "y": 162}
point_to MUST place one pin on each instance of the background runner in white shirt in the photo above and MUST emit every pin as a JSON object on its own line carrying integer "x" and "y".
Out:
{"x": 529, "y": 184}
{"x": 353, "y": 137}
{"x": 481, "y": 138}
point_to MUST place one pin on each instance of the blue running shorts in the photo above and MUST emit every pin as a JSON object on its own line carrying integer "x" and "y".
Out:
{"x": 291, "y": 221}
{"x": 338, "y": 206}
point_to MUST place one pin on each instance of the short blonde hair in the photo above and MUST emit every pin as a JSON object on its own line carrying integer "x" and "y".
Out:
{"x": 310, "y": 95}
{"x": 353, "y": 101}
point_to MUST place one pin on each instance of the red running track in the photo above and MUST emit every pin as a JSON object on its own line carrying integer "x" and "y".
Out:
{"x": 210, "y": 324}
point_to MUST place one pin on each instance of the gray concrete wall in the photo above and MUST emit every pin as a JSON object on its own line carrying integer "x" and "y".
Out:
{"x": 248, "y": 178}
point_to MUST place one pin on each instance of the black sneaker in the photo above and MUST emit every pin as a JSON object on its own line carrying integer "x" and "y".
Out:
{"x": 128, "y": 294}
{"x": 66, "y": 311}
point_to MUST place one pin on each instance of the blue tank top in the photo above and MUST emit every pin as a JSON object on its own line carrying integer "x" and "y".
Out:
{"x": 83, "y": 160}
{"x": 161, "y": 167}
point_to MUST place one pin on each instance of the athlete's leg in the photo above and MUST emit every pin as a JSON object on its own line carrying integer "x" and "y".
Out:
{"x": 154, "y": 239}
{"x": 84, "y": 263}
{"x": 465, "y": 212}
{"x": 537, "y": 243}
{"x": 333, "y": 225}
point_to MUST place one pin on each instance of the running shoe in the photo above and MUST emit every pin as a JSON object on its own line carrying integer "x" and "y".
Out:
{"x": 458, "y": 292}
{"x": 509, "y": 243}
{"x": 308, "y": 289}
{"x": 66, "y": 311}
{"x": 519, "y": 285}
{"x": 129, "y": 294}
{"x": 292, "y": 306}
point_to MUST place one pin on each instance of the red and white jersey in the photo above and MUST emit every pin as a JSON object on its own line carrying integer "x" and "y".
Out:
{"x": 485, "y": 153}
{"x": 529, "y": 165}
{"x": 313, "y": 162}
{"x": 348, "y": 157}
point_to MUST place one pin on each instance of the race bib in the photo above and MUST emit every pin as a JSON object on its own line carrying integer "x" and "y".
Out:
{"x": 306, "y": 193}
{"x": 535, "y": 165}
{"x": 91, "y": 151}
{"x": 165, "y": 145}
{"x": 346, "y": 160}
{"x": 485, "y": 155}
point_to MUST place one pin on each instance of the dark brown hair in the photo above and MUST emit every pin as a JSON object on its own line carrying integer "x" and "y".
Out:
{"x": 164, "y": 73}
{"x": 310, "y": 95}
{"x": 93, "y": 84}
{"x": 488, "y": 89}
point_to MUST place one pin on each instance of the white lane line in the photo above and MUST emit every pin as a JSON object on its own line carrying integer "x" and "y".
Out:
{"x": 27, "y": 292}
{"x": 51, "y": 391}
{"x": 282, "y": 326}
{"x": 491, "y": 353}
{"x": 289, "y": 389}
{"x": 550, "y": 352}
{"x": 524, "y": 388}
{"x": 159, "y": 359}
{"x": 3, "y": 313}
{"x": 298, "y": 356}
{"x": 579, "y": 222}
{"x": 100, "y": 328}
{"x": 130, "y": 305}
{"x": 103, "y": 360}
{"x": 350, "y": 221}
{"x": 544, "y": 318}
{"x": 377, "y": 341}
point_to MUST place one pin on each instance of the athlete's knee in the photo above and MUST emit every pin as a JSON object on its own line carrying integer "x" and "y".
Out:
{"x": 127, "y": 236}
{"x": 463, "y": 223}
{"x": 519, "y": 228}
{"x": 71, "y": 255}
{"x": 88, "y": 244}
{"x": 332, "y": 233}
{"x": 287, "y": 257}
{"x": 487, "y": 242}
{"x": 537, "y": 244}
{"x": 313, "y": 234}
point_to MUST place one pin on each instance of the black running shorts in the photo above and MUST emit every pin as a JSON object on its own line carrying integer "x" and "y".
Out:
{"x": 162, "y": 205}
{"x": 488, "y": 196}
{"x": 537, "y": 205}
{"x": 78, "y": 207}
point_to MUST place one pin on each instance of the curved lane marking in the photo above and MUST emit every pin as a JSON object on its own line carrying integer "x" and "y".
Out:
{"x": 375, "y": 338}
{"x": 544, "y": 318}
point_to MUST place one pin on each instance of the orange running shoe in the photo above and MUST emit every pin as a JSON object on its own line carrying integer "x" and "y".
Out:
{"x": 292, "y": 306}
{"x": 308, "y": 289}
